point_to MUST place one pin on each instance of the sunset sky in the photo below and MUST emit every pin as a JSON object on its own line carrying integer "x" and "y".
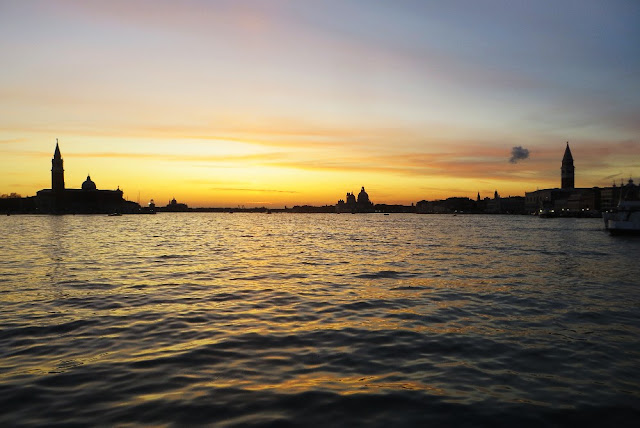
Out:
{"x": 227, "y": 103}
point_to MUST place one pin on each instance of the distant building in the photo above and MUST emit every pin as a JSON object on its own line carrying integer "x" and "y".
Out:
{"x": 363, "y": 203}
{"x": 353, "y": 205}
{"x": 512, "y": 205}
{"x": 584, "y": 200}
{"x": 556, "y": 200}
{"x": 567, "y": 171}
{"x": 309, "y": 209}
{"x": 493, "y": 205}
{"x": 394, "y": 208}
{"x": 570, "y": 200}
{"x": 86, "y": 200}
{"x": 461, "y": 205}
{"x": 446, "y": 206}
{"x": 174, "y": 206}
{"x": 500, "y": 205}
{"x": 546, "y": 199}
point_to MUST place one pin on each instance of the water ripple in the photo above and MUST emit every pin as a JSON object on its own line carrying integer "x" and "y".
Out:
{"x": 319, "y": 320}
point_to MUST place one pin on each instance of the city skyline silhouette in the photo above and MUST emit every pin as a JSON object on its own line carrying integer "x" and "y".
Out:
{"x": 566, "y": 200}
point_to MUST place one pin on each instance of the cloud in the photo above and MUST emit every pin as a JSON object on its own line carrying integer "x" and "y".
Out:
{"x": 414, "y": 164}
{"x": 233, "y": 159}
{"x": 609, "y": 177}
{"x": 236, "y": 189}
{"x": 518, "y": 153}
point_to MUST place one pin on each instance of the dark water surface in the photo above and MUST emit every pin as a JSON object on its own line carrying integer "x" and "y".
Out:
{"x": 317, "y": 320}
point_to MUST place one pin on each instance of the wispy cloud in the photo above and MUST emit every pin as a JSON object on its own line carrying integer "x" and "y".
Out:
{"x": 12, "y": 140}
{"x": 236, "y": 159}
{"x": 609, "y": 177}
{"x": 239, "y": 189}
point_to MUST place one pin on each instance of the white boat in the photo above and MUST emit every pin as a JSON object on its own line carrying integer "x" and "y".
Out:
{"x": 625, "y": 219}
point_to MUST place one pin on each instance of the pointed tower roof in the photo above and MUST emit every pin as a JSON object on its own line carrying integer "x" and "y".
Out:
{"x": 57, "y": 154}
{"x": 567, "y": 154}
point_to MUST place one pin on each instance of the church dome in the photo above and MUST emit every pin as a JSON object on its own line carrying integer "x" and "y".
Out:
{"x": 363, "y": 197}
{"x": 88, "y": 184}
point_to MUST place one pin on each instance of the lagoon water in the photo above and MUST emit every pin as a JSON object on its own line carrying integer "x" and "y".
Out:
{"x": 317, "y": 320}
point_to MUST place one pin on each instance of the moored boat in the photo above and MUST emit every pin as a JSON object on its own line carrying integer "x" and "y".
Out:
{"x": 625, "y": 219}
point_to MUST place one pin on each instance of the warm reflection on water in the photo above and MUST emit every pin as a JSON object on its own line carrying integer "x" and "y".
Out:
{"x": 316, "y": 319}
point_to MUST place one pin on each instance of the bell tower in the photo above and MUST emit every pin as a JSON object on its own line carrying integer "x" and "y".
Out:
{"x": 57, "y": 172}
{"x": 567, "y": 170}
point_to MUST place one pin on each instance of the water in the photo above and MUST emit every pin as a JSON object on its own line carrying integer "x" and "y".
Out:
{"x": 317, "y": 320}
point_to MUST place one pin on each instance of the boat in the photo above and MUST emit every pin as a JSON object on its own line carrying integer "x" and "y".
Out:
{"x": 625, "y": 218}
{"x": 546, "y": 210}
{"x": 114, "y": 214}
{"x": 149, "y": 209}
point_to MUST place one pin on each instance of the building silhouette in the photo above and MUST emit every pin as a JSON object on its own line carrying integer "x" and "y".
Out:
{"x": 57, "y": 171}
{"x": 360, "y": 205}
{"x": 570, "y": 200}
{"x": 446, "y": 206}
{"x": 175, "y": 206}
{"x": 86, "y": 200}
{"x": 567, "y": 171}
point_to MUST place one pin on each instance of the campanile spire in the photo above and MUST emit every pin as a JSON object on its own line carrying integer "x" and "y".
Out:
{"x": 567, "y": 170}
{"x": 57, "y": 171}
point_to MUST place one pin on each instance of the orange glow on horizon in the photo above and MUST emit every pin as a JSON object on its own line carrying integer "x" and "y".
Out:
{"x": 231, "y": 175}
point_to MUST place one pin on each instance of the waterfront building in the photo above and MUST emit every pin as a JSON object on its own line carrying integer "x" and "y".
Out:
{"x": 557, "y": 199}
{"x": 175, "y": 206}
{"x": 570, "y": 200}
{"x": 86, "y": 200}
{"x": 550, "y": 199}
{"x": 363, "y": 203}
{"x": 360, "y": 205}
{"x": 446, "y": 206}
{"x": 584, "y": 200}
{"x": 508, "y": 205}
{"x": 493, "y": 205}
